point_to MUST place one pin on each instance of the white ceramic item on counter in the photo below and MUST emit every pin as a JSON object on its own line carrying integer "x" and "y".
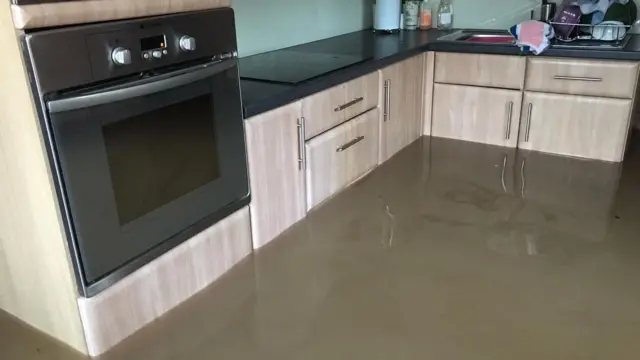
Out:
{"x": 609, "y": 31}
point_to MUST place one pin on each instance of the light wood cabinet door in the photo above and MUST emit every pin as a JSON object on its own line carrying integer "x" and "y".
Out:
{"x": 322, "y": 111}
{"x": 580, "y": 126}
{"x": 362, "y": 94}
{"x": 403, "y": 105}
{"x": 340, "y": 156}
{"x": 275, "y": 171}
{"x": 483, "y": 115}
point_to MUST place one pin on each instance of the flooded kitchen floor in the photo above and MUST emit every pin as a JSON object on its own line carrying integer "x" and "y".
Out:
{"x": 451, "y": 250}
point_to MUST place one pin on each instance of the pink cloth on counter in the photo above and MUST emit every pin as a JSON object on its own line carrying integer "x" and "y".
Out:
{"x": 534, "y": 35}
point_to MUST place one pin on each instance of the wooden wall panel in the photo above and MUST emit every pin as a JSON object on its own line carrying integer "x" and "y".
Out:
{"x": 77, "y": 12}
{"x": 36, "y": 279}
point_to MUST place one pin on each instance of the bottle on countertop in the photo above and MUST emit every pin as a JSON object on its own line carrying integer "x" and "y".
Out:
{"x": 445, "y": 15}
{"x": 411, "y": 14}
{"x": 426, "y": 16}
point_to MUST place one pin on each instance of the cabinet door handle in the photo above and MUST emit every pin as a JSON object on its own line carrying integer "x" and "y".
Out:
{"x": 528, "y": 129}
{"x": 344, "y": 147}
{"x": 577, "y": 78}
{"x": 301, "y": 145}
{"x": 507, "y": 134}
{"x": 349, "y": 104}
{"x": 387, "y": 99}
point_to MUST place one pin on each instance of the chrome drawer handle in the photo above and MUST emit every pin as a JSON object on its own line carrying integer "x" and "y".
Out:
{"x": 349, "y": 144}
{"x": 577, "y": 78}
{"x": 349, "y": 104}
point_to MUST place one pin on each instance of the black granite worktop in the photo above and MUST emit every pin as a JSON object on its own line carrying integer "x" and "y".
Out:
{"x": 383, "y": 50}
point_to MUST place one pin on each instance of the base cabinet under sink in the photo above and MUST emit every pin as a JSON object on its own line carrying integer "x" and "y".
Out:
{"x": 572, "y": 125}
{"x": 477, "y": 114}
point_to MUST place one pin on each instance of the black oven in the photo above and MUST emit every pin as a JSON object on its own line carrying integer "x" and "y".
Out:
{"x": 151, "y": 151}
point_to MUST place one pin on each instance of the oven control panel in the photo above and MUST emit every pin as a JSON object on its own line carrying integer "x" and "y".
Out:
{"x": 79, "y": 55}
{"x": 152, "y": 48}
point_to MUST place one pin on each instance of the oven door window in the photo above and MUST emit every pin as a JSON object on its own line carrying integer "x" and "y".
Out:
{"x": 159, "y": 156}
{"x": 141, "y": 169}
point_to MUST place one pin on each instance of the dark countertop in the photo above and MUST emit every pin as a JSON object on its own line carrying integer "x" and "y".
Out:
{"x": 386, "y": 49}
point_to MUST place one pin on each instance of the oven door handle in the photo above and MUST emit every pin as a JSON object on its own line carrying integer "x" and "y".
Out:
{"x": 141, "y": 87}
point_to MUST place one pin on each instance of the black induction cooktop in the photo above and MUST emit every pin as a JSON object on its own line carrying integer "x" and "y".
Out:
{"x": 293, "y": 67}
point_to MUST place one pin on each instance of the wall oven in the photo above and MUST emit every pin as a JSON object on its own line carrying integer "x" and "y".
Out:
{"x": 143, "y": 119}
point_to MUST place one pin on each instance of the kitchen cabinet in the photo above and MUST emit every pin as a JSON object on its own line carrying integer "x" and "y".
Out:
{"x": 334, "y": 106}
{"x": 340, "y": 156}
{"x": 580, "y": 126}
{"x": 403, "y": 105}
{"x": 321, "y": 111}
{"x": 582, "y": 77}
{"x": 362, "y": 94}
{"x": 275, "y": 151}
{"x": 484, "y": 115}
{"x": 498, "y": 71}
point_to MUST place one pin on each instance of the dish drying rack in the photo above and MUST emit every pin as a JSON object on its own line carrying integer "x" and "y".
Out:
{"x": 585, "y": 33}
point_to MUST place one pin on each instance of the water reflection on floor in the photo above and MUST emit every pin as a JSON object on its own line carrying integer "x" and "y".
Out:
{"x": 451, "y": 250}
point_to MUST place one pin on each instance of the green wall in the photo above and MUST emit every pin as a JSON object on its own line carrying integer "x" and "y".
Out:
{"x": 264, "y": 25}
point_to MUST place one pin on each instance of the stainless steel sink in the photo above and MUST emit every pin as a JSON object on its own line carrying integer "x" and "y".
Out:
{"x": 486, "y": 37}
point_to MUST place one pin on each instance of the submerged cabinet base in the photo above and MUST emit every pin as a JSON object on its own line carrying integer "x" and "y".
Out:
{"x": 163, "y": 284}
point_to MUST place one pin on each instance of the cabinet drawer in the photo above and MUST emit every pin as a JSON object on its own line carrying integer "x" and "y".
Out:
{"x": 321, "y": 110}
{"x": 583, "y": 77}
{"x": 340, "y": 156}
{"x": 362, "y": 94}
{"x": 481, "y": 70}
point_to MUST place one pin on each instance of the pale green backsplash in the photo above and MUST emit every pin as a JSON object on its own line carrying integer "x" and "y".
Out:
{"x": 264, "y": 25}
{"x": 494, "y": 14}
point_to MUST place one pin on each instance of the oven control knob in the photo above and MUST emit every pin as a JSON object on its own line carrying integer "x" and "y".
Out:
{"x": 121, "y": 56}
{"x": 157, "y": 54}
{"x": 187, "y": 43}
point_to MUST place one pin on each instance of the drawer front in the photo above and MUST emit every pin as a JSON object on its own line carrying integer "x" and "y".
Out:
{"x": 362, "y": 94}
{"x": 583, "y": 77}
{"x": 321, "y": 111}
{"x": 340, "y": 156}
{"x": 480, "y": 70}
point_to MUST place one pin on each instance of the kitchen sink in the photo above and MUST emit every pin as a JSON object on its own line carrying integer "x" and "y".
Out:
{"x": 497, "y": 37}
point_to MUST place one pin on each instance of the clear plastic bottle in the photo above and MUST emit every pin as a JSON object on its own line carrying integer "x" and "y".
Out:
{"x": 426, "y": 16}
{"x": 411, "y": 14}
{"x": 445, "y": 15}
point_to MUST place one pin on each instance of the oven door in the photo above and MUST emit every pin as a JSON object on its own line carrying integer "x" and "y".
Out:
{"x": 145, "y": 161}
